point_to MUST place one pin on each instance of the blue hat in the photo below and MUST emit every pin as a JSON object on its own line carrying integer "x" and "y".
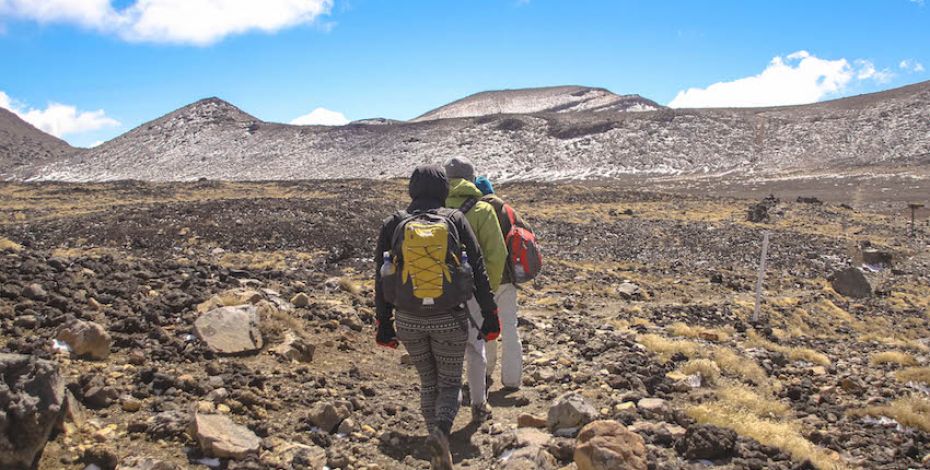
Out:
{"x": 484, "y": 184}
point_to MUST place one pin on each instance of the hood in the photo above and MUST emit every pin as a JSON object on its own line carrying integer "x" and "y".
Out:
{"x": 428, "y": 188}
{"x": 460, "y": 190}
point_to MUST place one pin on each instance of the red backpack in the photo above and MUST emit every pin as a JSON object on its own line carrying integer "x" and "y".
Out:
{"x": 525, "y": 258}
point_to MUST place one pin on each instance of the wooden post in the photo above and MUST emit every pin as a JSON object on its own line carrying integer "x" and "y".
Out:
{"x": 765, "y": 249}
{"x": 914, "y": 208}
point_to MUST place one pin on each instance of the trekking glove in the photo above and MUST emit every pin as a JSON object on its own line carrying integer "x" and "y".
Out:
{"x": 386, "y": 335}
{"x": 491, "y": 327}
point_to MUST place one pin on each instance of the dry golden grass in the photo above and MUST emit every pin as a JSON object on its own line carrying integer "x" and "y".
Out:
{"x": 762, "y": 405}
{"x": 666, "y": 348}
{"x": 796, "y": 354}
{"x": 706, "y": 368}
{"x": 910, "y": 411}
{"x": 734, "y": 364}
{"x": 7, "y": 244}
{"x": 265, "y": 259}
{"x": 894, "y": 341}
{"x": 783, "y": 434}
{"x": 893, "y": 357}
{"x": 699, "y": 332}
{"x": 914, "y": 374}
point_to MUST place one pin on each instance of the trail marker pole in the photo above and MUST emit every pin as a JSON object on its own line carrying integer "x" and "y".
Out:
{"x": 765, "y": 250}
{"x": 914, "y": 208}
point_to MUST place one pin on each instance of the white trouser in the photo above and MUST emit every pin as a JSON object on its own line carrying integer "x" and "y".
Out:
{"x": 479, "y": 364}
{"x": 475, "y": 360}
{"x": 512, "y": 363}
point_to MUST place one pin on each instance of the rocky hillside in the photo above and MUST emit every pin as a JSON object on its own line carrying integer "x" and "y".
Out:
{"x": 23, "y": 146}
{"x": 215, "y": 140}
{"x": 561, "y": 99}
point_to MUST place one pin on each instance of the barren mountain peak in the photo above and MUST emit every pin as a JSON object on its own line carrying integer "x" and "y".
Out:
{"x": 21, "y": 144}
{"x": 558, "y": 99}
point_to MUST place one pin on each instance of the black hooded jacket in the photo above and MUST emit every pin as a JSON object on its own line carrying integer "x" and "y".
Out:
{"x": 428, "y": 190}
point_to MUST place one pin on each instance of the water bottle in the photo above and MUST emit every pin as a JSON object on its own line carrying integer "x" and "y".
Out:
{"x": 387, "y": 266}
{"x": 466, "y": 268}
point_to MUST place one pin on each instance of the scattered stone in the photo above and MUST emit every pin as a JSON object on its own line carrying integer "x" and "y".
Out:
{"x": 570, "y": 411}
{"x": 86, "y": 339}
{"x": 608, "y": 445}
{"x": 300, "y": 300}
{"x": 707, "y": 442}
{"x": 219, "y": 436}
{"x": 759, "y": 213}
{"x": 35, "y": 292}
{"x": 629, "y": 291}
{"x": 32, "y": 403}
{"x": 103, "y": 457}
{"x": 293, "y": 348}
{"x": 526, "y": 420}
{"x": 652, "y": 404}
{"x": 230, "y": 330}
{"x": 327, "y": 416}
{"x": 130, "y": 404}
{"x": 876, "y": 257}
{"x": 145, "y": 463}
{"x": 850, "y": 282}
{"x": 809, "y": 200}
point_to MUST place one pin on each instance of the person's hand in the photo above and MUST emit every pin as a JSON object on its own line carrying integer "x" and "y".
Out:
{"x": 491, "y": 328}
{"x": 386, "y": 335}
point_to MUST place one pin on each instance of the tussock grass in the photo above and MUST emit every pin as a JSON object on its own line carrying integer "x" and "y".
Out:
{"x": 706, "y": 368}
{"x": 258, "y": 260}
{"x": 893, "y": 357}
{"x": 910, "y": 411}
{"x": 732, "y": 363}
{"x": 7, "y": 244}
{"x": 914, "y": 374}
{"x": 666, "y": 348}
{"x": 783, "y": 434}
{"x": 796, "y": 354}
{"x": 894, "y": 342}
{"x": 698, "y": 332}
{"x": 743, "y": 397}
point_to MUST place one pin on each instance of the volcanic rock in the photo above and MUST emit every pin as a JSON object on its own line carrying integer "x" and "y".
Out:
{"x": 526, "y": 420}
{"x": 221, "y": 437}
{"x": 293, "y": 348}
{"x": 570, "y": 411}
{"x": 32, "y": 396}
{"x": 35, "y": 292}
{"x": 706, "y": 442}
{"x": 230, "y": 330}
{"x": 327, "y": 416}
{"x": 873, "y": 256}
{"x": 86, "y": 339}
{"x": 145, "y": 463}
{"x": 607, "y": 445}
{"x": 850, "y": 282}
{"x": 300, "y": 300}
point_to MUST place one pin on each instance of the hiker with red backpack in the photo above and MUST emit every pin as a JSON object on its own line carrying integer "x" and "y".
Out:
{"x": 464, "y": 196}
{"x": 523, "y": 263}
{"x": 429, "y": 263}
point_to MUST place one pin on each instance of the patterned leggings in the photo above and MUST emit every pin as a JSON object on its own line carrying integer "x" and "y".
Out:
{"x": 436, "y": 345}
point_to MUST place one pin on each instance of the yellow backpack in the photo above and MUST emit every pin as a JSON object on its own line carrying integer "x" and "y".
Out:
{"x": 428, "y": 275}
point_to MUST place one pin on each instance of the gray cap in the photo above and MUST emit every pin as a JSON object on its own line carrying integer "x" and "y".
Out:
{"x": 459, "y": 167}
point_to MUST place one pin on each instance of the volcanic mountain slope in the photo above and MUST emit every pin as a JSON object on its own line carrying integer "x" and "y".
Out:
{"x": 214, "y": 139}
{"x": 560, "y": 99}
{"x": 22, "y": 145}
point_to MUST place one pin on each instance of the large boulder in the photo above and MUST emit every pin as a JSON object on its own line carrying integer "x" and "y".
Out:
{"x": 850, "y": 282}
{"x": 230, "y": 330}
{"x": 570, "y": 410}
{"x": 32, "y": 399}
{"x": 528, "y": 448}
{"x": 219, "y": 436}
{"x": 86, "y": 339}
{"x": 608, "y": 445}
{"x": 294, "y": 348}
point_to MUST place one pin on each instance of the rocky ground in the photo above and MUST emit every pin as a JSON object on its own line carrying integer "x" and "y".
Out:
{"x": 229, "y": 325}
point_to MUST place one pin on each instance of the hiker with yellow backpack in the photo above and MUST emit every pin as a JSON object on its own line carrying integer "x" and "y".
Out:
{"x": 463, "y": 195}
{"x": 428, "y": 264}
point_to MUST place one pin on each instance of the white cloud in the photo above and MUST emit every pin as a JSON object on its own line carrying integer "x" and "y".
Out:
{"x": 321, "y": 117}
{"x": 797, "y": 78}
{"x": 199, "y": 22}
{"x": 59, "y": 119}
{"x": 911, "y": 66}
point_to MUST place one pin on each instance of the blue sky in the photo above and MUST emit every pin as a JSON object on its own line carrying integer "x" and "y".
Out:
{"x": 89, "y": 70}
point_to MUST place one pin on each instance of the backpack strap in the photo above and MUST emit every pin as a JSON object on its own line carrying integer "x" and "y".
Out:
{"x": 468, "y": 205}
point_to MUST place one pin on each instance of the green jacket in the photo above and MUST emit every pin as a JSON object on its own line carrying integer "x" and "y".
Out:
{"x": 483, "y": 221}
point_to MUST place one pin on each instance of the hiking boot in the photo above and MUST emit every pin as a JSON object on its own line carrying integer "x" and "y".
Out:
{"x": 480, "y": 413}
{"x": 440, "y": 455}
{"x": 465, "y": 395}
{"x": 488, "y": 381}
